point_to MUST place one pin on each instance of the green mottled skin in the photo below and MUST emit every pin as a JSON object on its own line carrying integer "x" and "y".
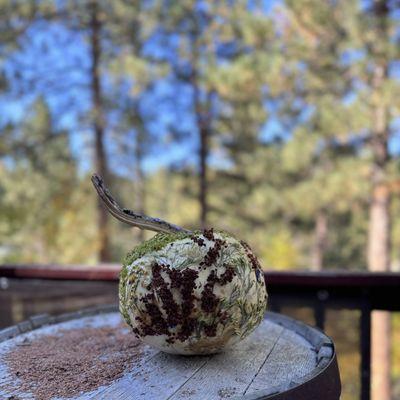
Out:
{"x": 156, "y": 243}
{"x": 250, "y": 314}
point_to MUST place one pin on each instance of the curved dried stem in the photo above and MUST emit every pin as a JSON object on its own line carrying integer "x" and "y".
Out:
{"x": 129, "y": 216}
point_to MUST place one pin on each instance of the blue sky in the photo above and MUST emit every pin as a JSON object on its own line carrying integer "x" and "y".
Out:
{"x": 54, "y": 61}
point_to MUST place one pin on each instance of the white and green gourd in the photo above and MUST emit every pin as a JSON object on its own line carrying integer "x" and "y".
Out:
{"x": 187, "y": 292}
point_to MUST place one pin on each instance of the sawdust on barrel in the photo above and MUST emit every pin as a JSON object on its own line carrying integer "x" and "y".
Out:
{"x": 71, "y": 362}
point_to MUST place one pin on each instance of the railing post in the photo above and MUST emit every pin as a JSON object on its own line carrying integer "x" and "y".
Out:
{"x": 319, "y": 308}
{"x": 319, "y": 315}
{"x": 274, "y": 306}
{"x": 365, "y": 344}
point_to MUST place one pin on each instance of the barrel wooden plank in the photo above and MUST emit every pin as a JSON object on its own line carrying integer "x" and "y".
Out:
{"x": 280, "y": 355}
{"x": 231, "y": 372}
{"x": 7, "y": 381}
{"x": 292, "y": 357}
{"x": 158, "y": 379}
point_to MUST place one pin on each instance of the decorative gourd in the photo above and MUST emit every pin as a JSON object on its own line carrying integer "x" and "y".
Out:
{"x": 187, "y": 292}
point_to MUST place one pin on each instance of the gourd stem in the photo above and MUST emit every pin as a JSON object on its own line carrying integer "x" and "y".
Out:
{"x": 129, "y": 216}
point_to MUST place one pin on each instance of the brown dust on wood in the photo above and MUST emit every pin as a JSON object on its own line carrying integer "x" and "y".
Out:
{"x": 73, "y": 361}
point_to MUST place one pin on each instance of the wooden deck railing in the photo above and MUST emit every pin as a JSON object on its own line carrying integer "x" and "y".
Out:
{"x": 361, "y": 291}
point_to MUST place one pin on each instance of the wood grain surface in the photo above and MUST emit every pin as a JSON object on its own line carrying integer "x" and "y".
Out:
{"x": 279, "y": 356}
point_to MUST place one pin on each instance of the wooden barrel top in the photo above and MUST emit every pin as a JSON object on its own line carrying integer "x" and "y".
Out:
{"x": 283, "y": 359}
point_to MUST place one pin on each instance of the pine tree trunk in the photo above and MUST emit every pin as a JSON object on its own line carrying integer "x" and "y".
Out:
{"x": 203, "y": 154}
{"x": 378, "y": 260}
{"x": 98, "y": 126}
{"x": 320, "y": 240}
{"x": 203, "y": 128}
{"x": 140, "y": 190}
{"x": 379, "y": 216}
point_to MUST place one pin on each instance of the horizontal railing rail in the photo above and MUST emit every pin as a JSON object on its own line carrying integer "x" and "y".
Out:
{"x": 363, "y": 291}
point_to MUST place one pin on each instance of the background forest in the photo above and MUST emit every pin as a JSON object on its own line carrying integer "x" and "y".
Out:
{"x": 278, "y": 121}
